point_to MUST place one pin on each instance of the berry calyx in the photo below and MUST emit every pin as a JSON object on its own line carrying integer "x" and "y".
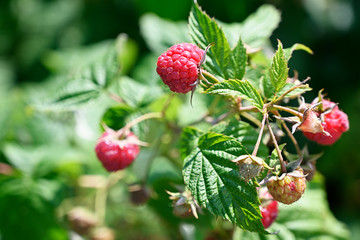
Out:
{"x": 184, "y": 204}
{"x": 179, "y": 66}
{"x": 287, "y": 188}
{"x": 117, "y": 152}
{"x": 250, "y": 166}
{"x": 334, "y": 122}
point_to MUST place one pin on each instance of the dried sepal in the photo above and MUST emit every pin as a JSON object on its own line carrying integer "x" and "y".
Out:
{"x": 184, "y": 204}
{"x": 250, "y": 166}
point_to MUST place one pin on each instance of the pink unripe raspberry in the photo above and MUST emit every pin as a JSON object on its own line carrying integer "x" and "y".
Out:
{"x": 335, "y": 123}
{"x": 178, "y": 67}
{"x": 116, "y": 152}
{"x": 288, "y": 188}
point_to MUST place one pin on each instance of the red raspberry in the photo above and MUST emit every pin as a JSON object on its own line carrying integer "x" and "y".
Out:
{"x": 335, "y": 123}
{"x": 178, "y": 67}
{"x": 116, "y": 153}
{"x": 269, "y": 213}
{"x": 268, "y": 208}
{"x": 287, "y": 188}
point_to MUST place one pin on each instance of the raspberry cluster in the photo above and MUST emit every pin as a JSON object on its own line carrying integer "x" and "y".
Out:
{"x": 335, "y": 123}
{"x": 178, "y": 67}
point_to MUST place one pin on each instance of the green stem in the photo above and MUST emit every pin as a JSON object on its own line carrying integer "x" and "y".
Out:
{"x": 248, "y": 109}
{"x": 251, "y": 118}
{"x": 289, "y": 110}
{"x": 210, "y": 76}
{"x": 283, "y": 166}
{"x": 146, "y": 116}
{"x": 291, "y": 136}
{"x": 115, "y": 97}
{"x": 101, "y": 196}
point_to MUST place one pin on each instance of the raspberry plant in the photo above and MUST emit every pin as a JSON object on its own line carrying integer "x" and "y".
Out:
{"x": 216, "y": 156}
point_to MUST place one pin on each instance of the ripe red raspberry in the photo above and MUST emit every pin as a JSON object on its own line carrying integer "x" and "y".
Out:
{"x": 116, "y": 152}
{"x": 178, "y": 67}
{"x": 335, "y": 123}
{"x": 287, "y": 188}
{"x": 268, "y": 208}
{"x": 269, "y": 213}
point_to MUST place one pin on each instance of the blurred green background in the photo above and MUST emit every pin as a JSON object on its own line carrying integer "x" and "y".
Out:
{"x": 31, "y": 31}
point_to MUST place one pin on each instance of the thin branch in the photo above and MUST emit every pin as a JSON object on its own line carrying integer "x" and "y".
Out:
{"x": 251, "y": 118}
{"x": 283, "y": 166}
{"x": 291, "y": 136}
{"x": 249, "y": 109}
{"x": 146, "y": 116}
{"x": 210, "y": 76}
{"x": 166, "y": 105}
{"x": 256, "y": 148}
{"x": 289, "y": 110}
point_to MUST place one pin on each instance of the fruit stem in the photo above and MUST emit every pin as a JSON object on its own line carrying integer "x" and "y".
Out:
{"x": 256, "y": 148}
{"x": 101, "y": 195}
{"x": 283, "y": 166}
{"x": 251, "y": 118}
{"x": 291, "y": 136}
{"x": 289, "y": 110}
{"x": 115, "y": 97}
{"x": 210, "y": 76}
{"x": 248, "y": 109}
{"x": 135, "y": 121}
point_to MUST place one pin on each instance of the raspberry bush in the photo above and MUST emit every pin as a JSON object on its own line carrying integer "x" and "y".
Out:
{"x": 203, "y": 136}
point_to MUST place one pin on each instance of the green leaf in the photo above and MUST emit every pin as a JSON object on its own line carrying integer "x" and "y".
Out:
{"x": 274, "y": 157}
{"x": 239, "y": 88}
{"x": 189, "y": 140}
{"x": 204, "y": 31}
{"x": 75, "y": 98}
{"x": 136, "y": 94}
{"x": 160, "y": 34}
{"x": 296, "y": 92}
{"x": 269, "y": 89}
{"x": 278, "y": 69}
{"x": 127, "y": 51}
{"x": 102, "y": 72}
{"x": 237, "y": 59}
{"x": 85, "y": 82}
{"x": 244, "y": 133}
{"x": 297, "y": 46}
{"x": 258, "y": 27}
{"x": 214, "y": 181}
